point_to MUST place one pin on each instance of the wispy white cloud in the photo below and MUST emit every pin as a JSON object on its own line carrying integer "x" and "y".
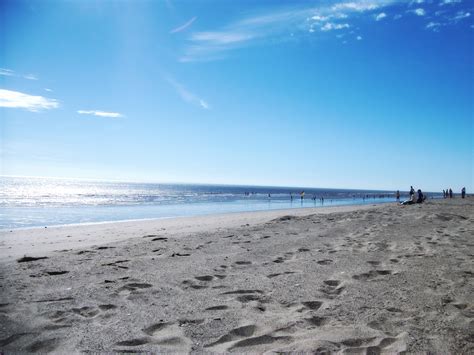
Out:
{"x": 100, "y": 113}
{"x": 9, "y": 72}
{"x": 329, "y": 26}
{"x": 447, "y": 18}
{"x": 461, "y": 15}
{"x": 419, "y": 12}
{"x": 449, "y": 2}
{"x": 434, "y": 26}
{"x": 286, "y": 24}
{"x": 358, "y": 5}
{"x": 359, "y": 38}
{"x": 48, "y": 90}
{"x": 16, "y": 99}
{"x": 30, "y": 77}
{"x": 279, "y": 25}
{"x": 184, "y": 26}
{"x": 219, "y": 38}
{"x": 187, "y": 95}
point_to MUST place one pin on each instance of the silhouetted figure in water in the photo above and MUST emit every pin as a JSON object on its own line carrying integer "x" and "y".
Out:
{"x": 302, "y": 195}
{"x": 450, "y": 193}
{"x": 291, "y": 196}
{"x": 463, "y": 192}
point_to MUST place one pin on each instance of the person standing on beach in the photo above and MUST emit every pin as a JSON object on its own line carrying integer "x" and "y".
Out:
{"x": 398, "y": 195}
{"x": 463, "y": 192}
{"x": 444, "y": 194}
{"x": 450, "y": 193}
{"x": 412, "y": 191}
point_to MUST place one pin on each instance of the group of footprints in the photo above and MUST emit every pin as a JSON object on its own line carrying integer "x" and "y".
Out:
{"x": 251, "y": 335}
{"x": 64, "y": 318}
{"x": 167, "y": 335}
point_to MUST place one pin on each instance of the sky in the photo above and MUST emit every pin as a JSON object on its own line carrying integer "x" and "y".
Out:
{"x": 338, "y": 94}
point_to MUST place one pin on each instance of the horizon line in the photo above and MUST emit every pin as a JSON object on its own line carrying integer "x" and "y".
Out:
{"x": 197, "y": 183}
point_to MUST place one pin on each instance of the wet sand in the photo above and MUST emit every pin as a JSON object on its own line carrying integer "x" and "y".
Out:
{"x": 372, "y": 279}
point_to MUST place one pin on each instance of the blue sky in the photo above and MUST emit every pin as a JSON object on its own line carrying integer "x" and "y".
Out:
{"x": 349, "y": 94}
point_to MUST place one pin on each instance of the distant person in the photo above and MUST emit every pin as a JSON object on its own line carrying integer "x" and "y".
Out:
{"x": 421, "y": 197}
{"x": 450, "y": 193}
{"x": 398, "y": 195}
{"x": 302, "y": 195}
{"x": 412, "y": 191}
{"x": 410, "y": 201}
{"x": 269, "y": 195}
{"x": 444, "y": 194}
{"x": 463, "y": 192}
{"x": 291, "y": 196}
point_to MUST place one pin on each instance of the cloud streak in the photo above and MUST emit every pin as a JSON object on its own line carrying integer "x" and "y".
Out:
{"x": 100, "y": 113}
{"x": 187, "y": 95}
{"x": 184, "y": 26}
{"x": 284, "y": 24}
{"x": 9, "y": 72}
{"x": 277, "y": 25}
{"x": 16, "y": 99}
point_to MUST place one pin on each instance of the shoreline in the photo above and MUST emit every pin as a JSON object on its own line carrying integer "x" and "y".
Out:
{"x": 221, "y": 209}
{"x": 45, "y": 240}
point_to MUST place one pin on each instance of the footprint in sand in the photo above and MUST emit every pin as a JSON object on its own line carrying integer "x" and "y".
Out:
{"x": 312, "y": 305}
{"x": 11, "y": 339}
{"x": 63, "y": 318}
{"x": 217, "y": 308}
{"x": 43, "y": 346}
{"x": 325, "y": 262}
{"x": 234, "y": 334}
{"x": 191, "y": 284}
{"x": 332, "y": 288}
{"x": 373, "y": 345}
{"x": 245, "y": 296}
{"x": 270, "y": 276}
{"x": 168, "y": 335}
{"x": 27, "y": 259}
{"x": 204, "y": 278}
{"x": 373, "y": 274}
{"x": 242, "y": 263}
{"x": 316, "y": 321}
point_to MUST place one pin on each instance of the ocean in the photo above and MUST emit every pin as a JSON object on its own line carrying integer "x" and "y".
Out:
{"x": 40, "y": 202}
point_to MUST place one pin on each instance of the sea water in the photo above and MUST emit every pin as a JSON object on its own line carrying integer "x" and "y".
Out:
{"x": 39, "y": 202}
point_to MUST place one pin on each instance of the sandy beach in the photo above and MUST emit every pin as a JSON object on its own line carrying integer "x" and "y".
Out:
{"x": 358, "y": 279}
